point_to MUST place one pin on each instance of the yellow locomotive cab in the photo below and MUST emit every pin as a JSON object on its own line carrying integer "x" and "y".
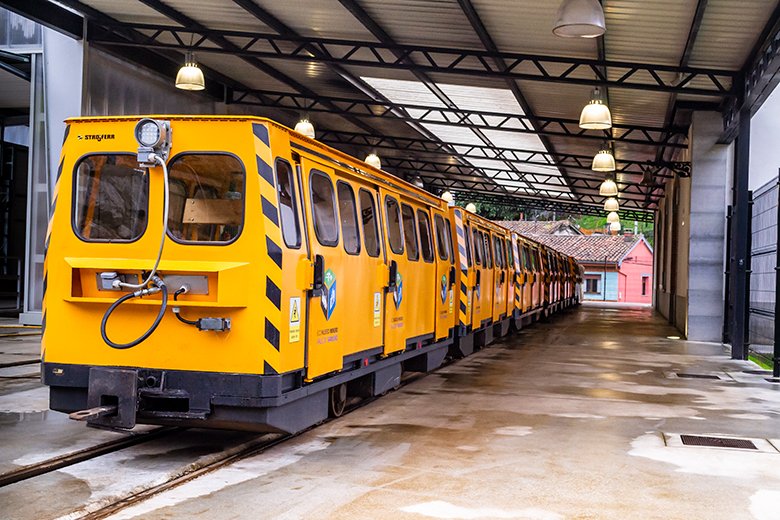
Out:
{"x": 229, "y": 272}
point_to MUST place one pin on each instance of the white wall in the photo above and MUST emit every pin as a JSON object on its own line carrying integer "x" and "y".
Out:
{"x": 765, "y": 142}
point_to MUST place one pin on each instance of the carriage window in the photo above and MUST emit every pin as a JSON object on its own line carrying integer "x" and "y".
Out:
{"x": 532, "y": 256}
{"x": 349, "y": 225}
{"x": 285, "y": 189}
{"x": 212, "y": 198}
{"x": 410, "y": 233}
{"x": 441, "y": 237}
{"x": 497, "y": 250}
{"x": 486, "y": 249}
{"x": 424, "y": 223}
{"x": 394, "y": 225}
{"x": 112, "y": 198}
{"x": 323, "y": 208}
{"x": 526, "y": 258}
{"x": 368, "y": 216}
{"x": 510, "y": 254}
{"x": 477, "y": 247}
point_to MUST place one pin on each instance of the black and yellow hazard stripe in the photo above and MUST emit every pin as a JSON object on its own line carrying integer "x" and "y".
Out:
{"x": 463, "y": 306}
{"x": 272, "y": 304}
{"x": 518, "y": 287}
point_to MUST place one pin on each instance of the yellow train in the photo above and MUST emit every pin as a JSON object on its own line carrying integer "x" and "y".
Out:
{"x": 229, "y": 272}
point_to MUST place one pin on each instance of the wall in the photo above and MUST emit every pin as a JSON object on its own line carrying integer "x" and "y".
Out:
{"x": 764, "y": 152}
{"x": 608, "y": 283}
{"x": 638, "y": 263}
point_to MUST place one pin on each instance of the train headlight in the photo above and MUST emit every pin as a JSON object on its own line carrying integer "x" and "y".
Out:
{"x": 153, "y": 136}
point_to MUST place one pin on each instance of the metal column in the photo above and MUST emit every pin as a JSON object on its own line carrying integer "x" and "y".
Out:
{"x": 740, "y": 239}
{"x": 776, "y": 356}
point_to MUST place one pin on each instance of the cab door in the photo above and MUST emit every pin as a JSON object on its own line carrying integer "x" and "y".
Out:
{"x": 445, "y": 275}
{"x": 478, "y": 297}
{"x": 499, "y": 276}
{"x": 396, "y": 306}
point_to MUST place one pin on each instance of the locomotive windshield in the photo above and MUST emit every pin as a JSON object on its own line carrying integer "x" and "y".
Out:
{"x": 111, "y": 198}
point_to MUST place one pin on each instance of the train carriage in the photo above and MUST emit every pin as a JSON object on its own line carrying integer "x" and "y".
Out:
{"x": 229, "y": 272}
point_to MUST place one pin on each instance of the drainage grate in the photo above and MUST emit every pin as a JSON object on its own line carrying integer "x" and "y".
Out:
{"x": 697, "y": 376}
{"x": 717, "y": 442}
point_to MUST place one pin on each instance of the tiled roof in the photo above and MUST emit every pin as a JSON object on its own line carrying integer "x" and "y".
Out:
{"x": 593, "y": 248}
{"x": 544, "y": 227}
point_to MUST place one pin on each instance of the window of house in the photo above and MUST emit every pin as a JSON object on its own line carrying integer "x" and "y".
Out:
{"x": 348, "y": 212}
{"x": 410, "y": 232}
{"x": 645, "y": 283}
{"x": 323, "y": 208}
{"x": 394, "y": 225}
{"x": 212, "y": 198}
{"x": 592, "y": 285}
{"x": 426, "y": 246}
{"x": 288, "y": 208}
{"x": 368, "y": 216}
{"x": 111, "y": 202}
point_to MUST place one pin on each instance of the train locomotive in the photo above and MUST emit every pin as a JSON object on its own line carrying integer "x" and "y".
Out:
{"x": 228, "y": 272}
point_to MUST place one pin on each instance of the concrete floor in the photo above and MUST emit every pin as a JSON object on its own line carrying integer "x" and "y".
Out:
{"x": 572, "y": 419}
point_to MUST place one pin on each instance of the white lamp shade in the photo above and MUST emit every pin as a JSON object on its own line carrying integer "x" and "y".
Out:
{"x": 595, "y": 116}
{"x": 611, "y": 204}
{"x": 608, "y": 188}
{"x": 305, "y": 127}
{"x": 580, "y": 19}
{"x": 372, "y": 159}
{"x": 471, "y": 207}
{"x": 603, "y": 161}
{"x": 614, "y": 227}
{"x": 447, "y": 197}
{"x": 613, "y": 217}
{"x": 190, "y": 77}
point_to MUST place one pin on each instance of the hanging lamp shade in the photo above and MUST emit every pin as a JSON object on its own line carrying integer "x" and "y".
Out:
{"x": 417, "y": 181}
{"x": 305, "y": 127}
{"x": 448, "y": 198}
{"x": 603, "y": 161}
{"x": 190, "y": 77}
{"x": 611, "y": 204}
{"x": 372, "y": 159}
{"x": 608, "y": 188}
{"x": 471, "y": 207}
{"x": 614, "y": 227}
{"x": 596, "y": 115}
{"x": 580, "y": 19}
{"x": 613, "y": 217}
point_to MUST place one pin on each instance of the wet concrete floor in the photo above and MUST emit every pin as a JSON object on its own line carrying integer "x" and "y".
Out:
{"x": 578, "y": 418}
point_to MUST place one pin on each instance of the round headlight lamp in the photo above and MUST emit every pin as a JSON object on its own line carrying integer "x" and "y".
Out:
{"x": 150, "y": 133}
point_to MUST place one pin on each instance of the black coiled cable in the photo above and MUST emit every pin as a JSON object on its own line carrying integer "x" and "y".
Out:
{"x": 121, "y": 346}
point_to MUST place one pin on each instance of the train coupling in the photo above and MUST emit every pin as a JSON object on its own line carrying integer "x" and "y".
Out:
{"x": 93, "y": 413}
{"x": 111, "y": 399}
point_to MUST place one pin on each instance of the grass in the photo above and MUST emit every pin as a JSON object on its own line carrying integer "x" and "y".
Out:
{"x": 763, "y": 362}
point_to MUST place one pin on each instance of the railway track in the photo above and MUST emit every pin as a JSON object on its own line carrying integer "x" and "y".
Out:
{"x": 69, "y": 459}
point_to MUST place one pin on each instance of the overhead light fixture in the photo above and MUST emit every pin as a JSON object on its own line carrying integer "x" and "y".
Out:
{"x": 190, "y": 77}
{"x": 448, "y": 198}
{"x": 417, "y": 181}
{"x": 603, "y": 161}
{"x": 596, "y": 115}
{"x": 580, "y": 19}
{"x": 614, "y": 227}
{"x": 608, "y": 188}
{"x": 613, "y": 217}
{"x": 611, "y": 204}
{"x": 305, "y": 127}
{"x": 471, "y": 207}
{"x": 372, "y": 159}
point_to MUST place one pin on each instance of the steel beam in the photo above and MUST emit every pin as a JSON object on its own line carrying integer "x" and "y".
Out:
{"x": 432, "y": 60}
{"x": 740, "y": 243}
{"x": 49, "y": 15}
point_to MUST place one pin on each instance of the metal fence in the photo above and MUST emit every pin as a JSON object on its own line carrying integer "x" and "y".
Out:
{"x": 762, "y": 264}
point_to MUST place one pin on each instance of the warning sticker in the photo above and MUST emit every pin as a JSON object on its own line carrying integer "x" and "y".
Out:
{"x": 451, "y": 300}
{"x": 295, "y": 319}
{"x": 377, "y": 309}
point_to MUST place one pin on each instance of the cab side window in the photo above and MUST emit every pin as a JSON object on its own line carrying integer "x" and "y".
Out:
{"x": 394, "y": 225}
{"x": 368, "y": 216}
{"x": 323, "y": 208}
{"x": 467, "y": 235}
{"x": 442, "y": 237}
{"x": 349, "y": 225}
{"x": 426, "y": 246}
{"x": 410, "y": 233}
{"x": 288, "y": 209}
{"x": 477, "y": 247}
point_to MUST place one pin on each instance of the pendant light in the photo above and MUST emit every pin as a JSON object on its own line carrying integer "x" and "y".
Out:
{"x": 580, "y": 19}
{"x": 448, "y": 198}
{"x": 372, "y": 159}
{"x": 608, "y": 188}
{"x": 611, "y": 204}
{"x": 471, "y": 207}
{"x": 417, "y": 181}
{"x": 190, "y": 77}
{"x": 613, "y": 217}
{"x": 305, "y": 127}
{"x": 603, "y": 161}
{"x": 614, "y": 227}
{"x": 596, "y": 115}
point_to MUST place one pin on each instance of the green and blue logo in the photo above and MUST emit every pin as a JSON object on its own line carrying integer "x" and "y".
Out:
{"x": 398, "y": 292}
{"x": 328, "y": 296}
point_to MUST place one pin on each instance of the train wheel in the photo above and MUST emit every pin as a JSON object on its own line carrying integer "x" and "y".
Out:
{"x": 338, "y": 400}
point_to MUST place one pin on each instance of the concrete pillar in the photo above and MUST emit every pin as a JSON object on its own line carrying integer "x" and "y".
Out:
{"x": 710, "y": 180}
